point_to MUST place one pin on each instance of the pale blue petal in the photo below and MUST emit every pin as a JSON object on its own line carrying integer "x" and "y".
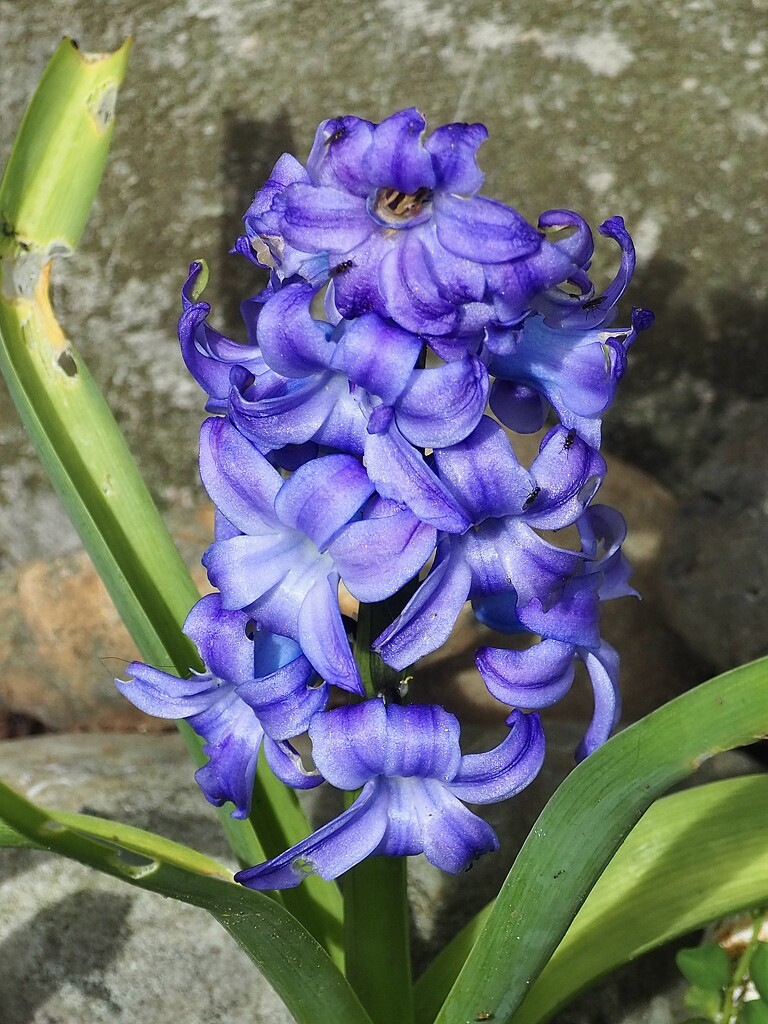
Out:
{"x": 508, "y": 768}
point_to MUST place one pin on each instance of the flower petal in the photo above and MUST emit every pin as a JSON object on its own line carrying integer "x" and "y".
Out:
{"x": 220, "y": 637}
{"x": 427, "y": 620}
{"x": 163, "y": 695}
{"x": 329, "y": 852}
{"x": 376, "y": 355}
{"x": 518, "y": 406}
{"x": 453, "y": 837}
{"x": 396, "y": 158}
{"x": 238, "y": 479}
{"x": 285, "y": 699}
{"x": 567, "y": 473}
{"x": 534, "y": 678}
{"x": 442, "y": 405}
{"x": 348, "y": 743}
{"x": 400, "y": 473}
{"x": 483, "y": 472}
{"x": 322, "y": 636}
{"x": 323, "y": 495}
{"x": 292, "y": 342}
{"x": 353, "y": 744}
{"x": 208, "y": 355}
{"x": 411, "y": 289}
{"x": 507, "y": 769}
{"x": 572, "y": 618}
{"x": 378, "y": 554}
{"x": 603, "y": 667}
{"x": 453, "y": 148}
{"x": 244, "y": 568}
{"x": 483, "y": 230}
{"x": 232, "y": 735}
{"x": 317, "y": 408}
{"x": 337, "y": 155}
{"x": 314, "y": 218}
{"x": 286, "y": 765}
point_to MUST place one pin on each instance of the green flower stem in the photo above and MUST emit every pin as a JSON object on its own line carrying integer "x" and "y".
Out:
{"x": 729, "y": 1012}
{"x": 376, "y": 921}
{"x": 45, "y": 197}
{"x": 377, "y": 938}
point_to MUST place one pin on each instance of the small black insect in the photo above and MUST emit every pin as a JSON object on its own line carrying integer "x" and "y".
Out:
{"x": 593, "y": 303}
{"x": 570, "y": 437}
{"x": 339, "y": 133}
{"x": 532, "y": 497}
{"x": 341, "y": 267}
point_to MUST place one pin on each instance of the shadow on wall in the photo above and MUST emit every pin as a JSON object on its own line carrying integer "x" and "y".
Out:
{"x": 251, "y": 148}
{"x": 699, "y": 359}
{"x": 69, "y": 942}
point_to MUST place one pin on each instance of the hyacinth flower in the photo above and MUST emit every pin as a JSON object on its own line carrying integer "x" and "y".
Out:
{"x": 403, "y": 230}
{"x": 567, "y": 355}
{"x": 414, "y": 778}
{"x": 541, "y": 675}
{"x": 336, "y": 375}
{"x": 353, "y": 440}
{"x": 502, "y": 563}
{"x": 258, "y": 690}
{"x": 294, "y": 540}
{"x": 208, "y": 355}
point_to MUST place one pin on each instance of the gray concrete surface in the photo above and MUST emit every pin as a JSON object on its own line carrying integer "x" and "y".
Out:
{"x": 655, "y": 110}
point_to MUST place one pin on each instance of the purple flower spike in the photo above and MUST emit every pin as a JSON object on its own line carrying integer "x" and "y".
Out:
{"x": 212, "y": 703}
{"x": 414, "y": 779}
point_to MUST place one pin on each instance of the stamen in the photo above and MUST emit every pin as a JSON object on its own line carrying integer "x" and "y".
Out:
{"x": 393, "y": 206}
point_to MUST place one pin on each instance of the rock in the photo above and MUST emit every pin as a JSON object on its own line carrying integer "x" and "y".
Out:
{"x": 62, "y": 643}
{"x": 78, "y": 946}
{"x": 714, "y": 582}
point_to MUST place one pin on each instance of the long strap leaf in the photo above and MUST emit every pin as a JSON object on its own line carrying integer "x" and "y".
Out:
{"x": 577, "y": 834}
{"x": 693, "y": 857}
{"x": 45, "y": 198}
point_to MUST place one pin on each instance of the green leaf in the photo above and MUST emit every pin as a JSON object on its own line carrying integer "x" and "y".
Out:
{"x": 45, "y": 197}
{"x": 575, "y": 837}
{"x": 758, "y": 969}
{"x": 291, "y": 960}
{"x": 706, "y": 966}
{"x": 754, "y": 1012}
{"x": 58, "y": 157}
{"x": 704, "y": 1001}
{"x": 680, "y": 868}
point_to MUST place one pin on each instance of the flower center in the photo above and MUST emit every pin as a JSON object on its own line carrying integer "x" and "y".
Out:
{"x": 398, "y": 208}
